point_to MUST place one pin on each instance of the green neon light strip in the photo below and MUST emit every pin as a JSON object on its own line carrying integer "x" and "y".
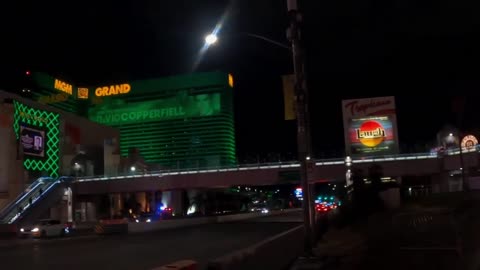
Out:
{"x": 45, "y": 120}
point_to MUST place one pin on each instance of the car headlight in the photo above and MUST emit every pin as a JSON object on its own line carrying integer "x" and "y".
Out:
{"x": 136, "y": 220}
{"x": 149, "y": 220}
{"x": 22, "y": 230}
{"x": 35, "y": 230}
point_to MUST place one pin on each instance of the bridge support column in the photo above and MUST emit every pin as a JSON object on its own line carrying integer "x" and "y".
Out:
{"x": 440, "y": 182}
{"x": 141, "y": 198}
{"x": 116, "y": 204}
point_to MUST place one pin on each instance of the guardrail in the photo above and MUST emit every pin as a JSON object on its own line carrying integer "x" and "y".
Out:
{"x": 168, "y": 172}
{"x": 276, "y": 165}
{"x": 143, "y": 227}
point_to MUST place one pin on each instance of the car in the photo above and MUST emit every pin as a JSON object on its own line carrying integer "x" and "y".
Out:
{"x": 322, "y": 208}
{"x": 146, "y": 217}
{"x": 46, "y": 228}
{"x": 260, "y": 208}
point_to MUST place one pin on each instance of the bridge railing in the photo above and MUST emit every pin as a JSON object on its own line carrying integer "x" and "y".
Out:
{"x": 177, "y": 171}
{"x": 383, "y": 158}
{"x": 274, "y": 165}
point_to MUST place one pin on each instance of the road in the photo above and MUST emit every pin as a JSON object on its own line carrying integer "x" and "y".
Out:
{"x": 145, "y": 251}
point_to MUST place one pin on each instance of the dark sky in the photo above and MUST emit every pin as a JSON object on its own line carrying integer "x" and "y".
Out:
{"x": 423, "y": 52}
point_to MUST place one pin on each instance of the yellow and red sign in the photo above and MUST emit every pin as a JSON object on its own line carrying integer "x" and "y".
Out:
{"x": 370, "y": 126}
{"x": 469, "y": 142}
{"x": 82, "y": 93}
{"x": 371, "y": 133}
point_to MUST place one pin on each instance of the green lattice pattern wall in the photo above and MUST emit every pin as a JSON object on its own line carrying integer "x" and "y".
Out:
{"x": 45, "y": 120}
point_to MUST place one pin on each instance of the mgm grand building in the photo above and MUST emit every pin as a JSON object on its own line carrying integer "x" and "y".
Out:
{"x": 165, "y": 123}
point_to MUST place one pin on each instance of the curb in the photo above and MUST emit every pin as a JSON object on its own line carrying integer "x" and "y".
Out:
{"x": 25, "y": 242}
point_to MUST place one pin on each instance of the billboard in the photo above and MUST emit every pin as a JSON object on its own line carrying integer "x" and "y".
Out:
{"x": 32, "y": 141}
{"x": 38, "y": 133}
{"x": 370, "y": 126}
{"x": 179, "y": 106}
{"x": 372, "y": 134}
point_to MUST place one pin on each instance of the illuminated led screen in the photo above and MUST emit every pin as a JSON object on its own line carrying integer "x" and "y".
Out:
{"x": 372, "y": 135}
{"x": 33, "y": 141}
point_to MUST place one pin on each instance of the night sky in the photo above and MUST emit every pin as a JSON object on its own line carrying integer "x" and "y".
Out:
{"x": 425, "y": 53}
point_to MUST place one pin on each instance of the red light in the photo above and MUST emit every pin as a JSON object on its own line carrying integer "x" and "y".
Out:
{"x": 27, "y": 72}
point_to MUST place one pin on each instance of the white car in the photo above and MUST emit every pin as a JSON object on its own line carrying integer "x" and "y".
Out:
{"x": 46, "y": 228}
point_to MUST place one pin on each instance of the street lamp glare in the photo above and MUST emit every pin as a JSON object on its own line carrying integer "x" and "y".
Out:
{"x": 211, "y": 39}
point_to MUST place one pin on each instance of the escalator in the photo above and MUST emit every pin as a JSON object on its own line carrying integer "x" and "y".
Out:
{"x": 34, "y": 201}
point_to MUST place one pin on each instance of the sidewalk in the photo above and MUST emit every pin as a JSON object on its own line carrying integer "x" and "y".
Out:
{"x": 439, "y": 233}
{"x": 345, "y": 247}
{"x": 339, "y": 249}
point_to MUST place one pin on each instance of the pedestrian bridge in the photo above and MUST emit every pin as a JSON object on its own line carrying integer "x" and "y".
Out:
{"x": 276, "y": 173}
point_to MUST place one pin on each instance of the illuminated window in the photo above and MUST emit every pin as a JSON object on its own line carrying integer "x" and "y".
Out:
{"x": 44, "y": 120}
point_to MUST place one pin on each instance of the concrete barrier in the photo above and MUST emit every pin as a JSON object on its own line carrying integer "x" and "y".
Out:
{"x": 112, "y": 226}
{"x": 238, "y": 217}
{"x": 141, "y": 227}
{"x": 180, "y": 265}
{"x": 276, "y": 252}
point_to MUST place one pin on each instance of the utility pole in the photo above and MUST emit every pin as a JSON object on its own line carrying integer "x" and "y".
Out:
{"x": 303, "y": 127}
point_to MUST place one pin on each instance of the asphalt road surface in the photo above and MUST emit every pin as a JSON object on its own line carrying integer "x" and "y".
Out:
{"x": 145, "y": 251}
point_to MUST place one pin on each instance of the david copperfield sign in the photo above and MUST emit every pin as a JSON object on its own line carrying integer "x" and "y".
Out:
{"x": 370, "y": 126}
{"x": 180, "y": 106}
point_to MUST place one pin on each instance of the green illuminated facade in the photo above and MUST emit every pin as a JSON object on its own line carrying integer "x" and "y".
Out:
{"x": 178, "y": 122}
{"x": 44, "y": 120}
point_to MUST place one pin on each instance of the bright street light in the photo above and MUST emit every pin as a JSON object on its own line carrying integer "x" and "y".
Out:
{"x": 211, "y": 39}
